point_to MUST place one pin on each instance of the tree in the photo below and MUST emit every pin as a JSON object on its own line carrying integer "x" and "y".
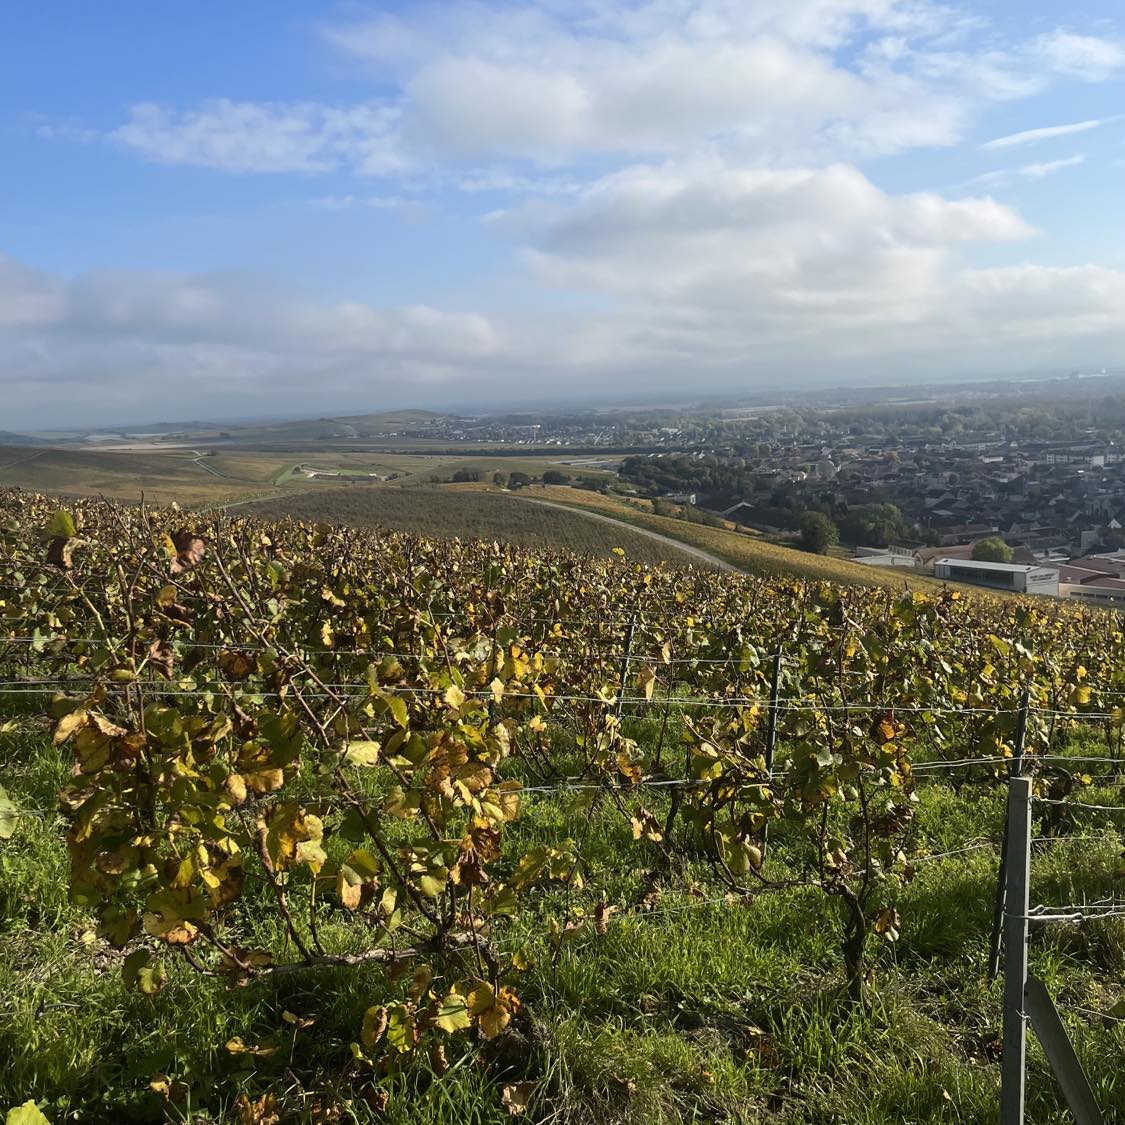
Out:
{"x": 553, "y": 476}
{"x": 872, "y": 525}
{"x": 519, "y": 480}
{"x": 992, "y": 549}
{"x": 818, "y": 533}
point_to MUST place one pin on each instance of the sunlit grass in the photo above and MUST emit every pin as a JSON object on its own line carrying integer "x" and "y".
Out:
{"x": 700, "y": 1011}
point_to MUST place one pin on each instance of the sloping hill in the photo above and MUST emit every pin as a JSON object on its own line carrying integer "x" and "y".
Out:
{"x": 476, "y": 514}
{"x": 746, "y": 552}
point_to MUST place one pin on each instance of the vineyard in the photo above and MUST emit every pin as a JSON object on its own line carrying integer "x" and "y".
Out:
{"x": 312, "y": 823}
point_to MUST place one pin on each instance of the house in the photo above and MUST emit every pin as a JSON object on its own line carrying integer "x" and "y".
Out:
{"x": 1020, "y": 578}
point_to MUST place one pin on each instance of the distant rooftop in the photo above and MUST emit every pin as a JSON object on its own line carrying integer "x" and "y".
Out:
{"x": 975, "y": 564}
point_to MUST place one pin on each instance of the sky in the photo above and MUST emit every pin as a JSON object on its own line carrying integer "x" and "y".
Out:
{"x": 217, "y": 210}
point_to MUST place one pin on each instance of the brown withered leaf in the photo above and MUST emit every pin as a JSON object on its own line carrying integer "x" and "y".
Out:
{"x": 629, "y": 769}
{"x": 236, "y": 665}
{"x": 601, "y": 918}
{"x": 261, "y": 1111}
{"x": 515, "y": 1098}
{"x": 190, "y": 549}
{"x": 438, "y": 1060}
{"x": 162, "y": 658}
{"x": 59, "y": 552}
{"x": 468, "y": 871}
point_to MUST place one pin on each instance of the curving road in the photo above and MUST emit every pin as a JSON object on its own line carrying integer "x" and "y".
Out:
{"x": 686, "y": 548}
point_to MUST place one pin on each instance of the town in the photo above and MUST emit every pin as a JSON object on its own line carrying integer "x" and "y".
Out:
{"x": 1019, "y": 492}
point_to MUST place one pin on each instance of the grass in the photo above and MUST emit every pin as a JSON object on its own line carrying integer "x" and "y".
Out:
{"x": 465, "y": 513}
{"x": 707, "y": 1012}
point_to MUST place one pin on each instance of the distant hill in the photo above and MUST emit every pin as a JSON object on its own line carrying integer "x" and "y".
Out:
{"x": 345, "y": 427}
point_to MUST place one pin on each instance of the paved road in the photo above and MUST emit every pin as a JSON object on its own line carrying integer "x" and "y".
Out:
{"x": 696, "y": 552}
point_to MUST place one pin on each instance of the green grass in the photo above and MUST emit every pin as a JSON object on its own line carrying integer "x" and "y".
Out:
{"x": 703, "y": 1012}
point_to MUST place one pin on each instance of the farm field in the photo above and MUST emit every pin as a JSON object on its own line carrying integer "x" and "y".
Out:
{"x": 227, "y": 474}
{"x": 306, "y": 824}
{"x": 162, "y": 476}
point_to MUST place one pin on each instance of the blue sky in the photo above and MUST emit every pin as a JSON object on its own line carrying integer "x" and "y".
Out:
{"x": 265, "y": 207}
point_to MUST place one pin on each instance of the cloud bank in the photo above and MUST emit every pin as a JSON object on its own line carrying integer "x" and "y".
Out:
{"x": 706, "y": 274}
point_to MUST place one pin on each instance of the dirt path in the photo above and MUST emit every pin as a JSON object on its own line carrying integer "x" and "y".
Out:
{"x": 696, "y": 552}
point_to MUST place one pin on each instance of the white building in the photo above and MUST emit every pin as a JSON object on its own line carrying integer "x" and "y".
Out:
{"x": 1018, "y": 578}
{"x": 886, "y": 556}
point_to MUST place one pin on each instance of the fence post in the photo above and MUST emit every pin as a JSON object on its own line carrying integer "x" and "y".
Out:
{"x": 1013, "y": 1074}
{"x": 1015, "y": 769}
{"x": 771, "y": 734}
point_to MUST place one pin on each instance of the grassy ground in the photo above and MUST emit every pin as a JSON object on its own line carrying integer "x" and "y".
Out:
{"x": 465, "y": 513}
{"x": 702, "y": 1012}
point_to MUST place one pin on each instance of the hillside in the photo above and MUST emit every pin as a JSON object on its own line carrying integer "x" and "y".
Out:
{"x": 308, "y": 823}
{"x": 466, "y": 514}
{"x": 402, "y": 423}
{"x": 747, "y": 552}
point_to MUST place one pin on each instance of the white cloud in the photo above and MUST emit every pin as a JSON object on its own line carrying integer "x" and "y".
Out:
{"x": 721, "y": 274}
{"x": 1087, "y": 57}
{"x": 251, "y": 137}
{"x": 1050, "y": 167}
{"x": 493, "y": 82}
{"x": 1049, "y": 132}
{"x": 351, "y": 202}
{"x": 503, "y": 180}
{"x": 784, "y": 239}
{"x": 27, "y": 296}
{"x": 1029, "y": 171}
{"x": 803, "y": 272}
{"x": 122, "y": 341}
{"x": 552, "y": 84}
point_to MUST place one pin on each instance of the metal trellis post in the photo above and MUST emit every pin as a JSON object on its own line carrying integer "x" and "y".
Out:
{"x": 1014, "y": 770}
{"x": 625, "y": 664}
{"x": 1013, "y": 1074}
{"x": 771, "y": 734}
{"x": 1051, "y": 1033}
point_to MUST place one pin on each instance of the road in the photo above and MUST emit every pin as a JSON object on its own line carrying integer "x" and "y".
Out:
{"x": 696, "y": 552}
